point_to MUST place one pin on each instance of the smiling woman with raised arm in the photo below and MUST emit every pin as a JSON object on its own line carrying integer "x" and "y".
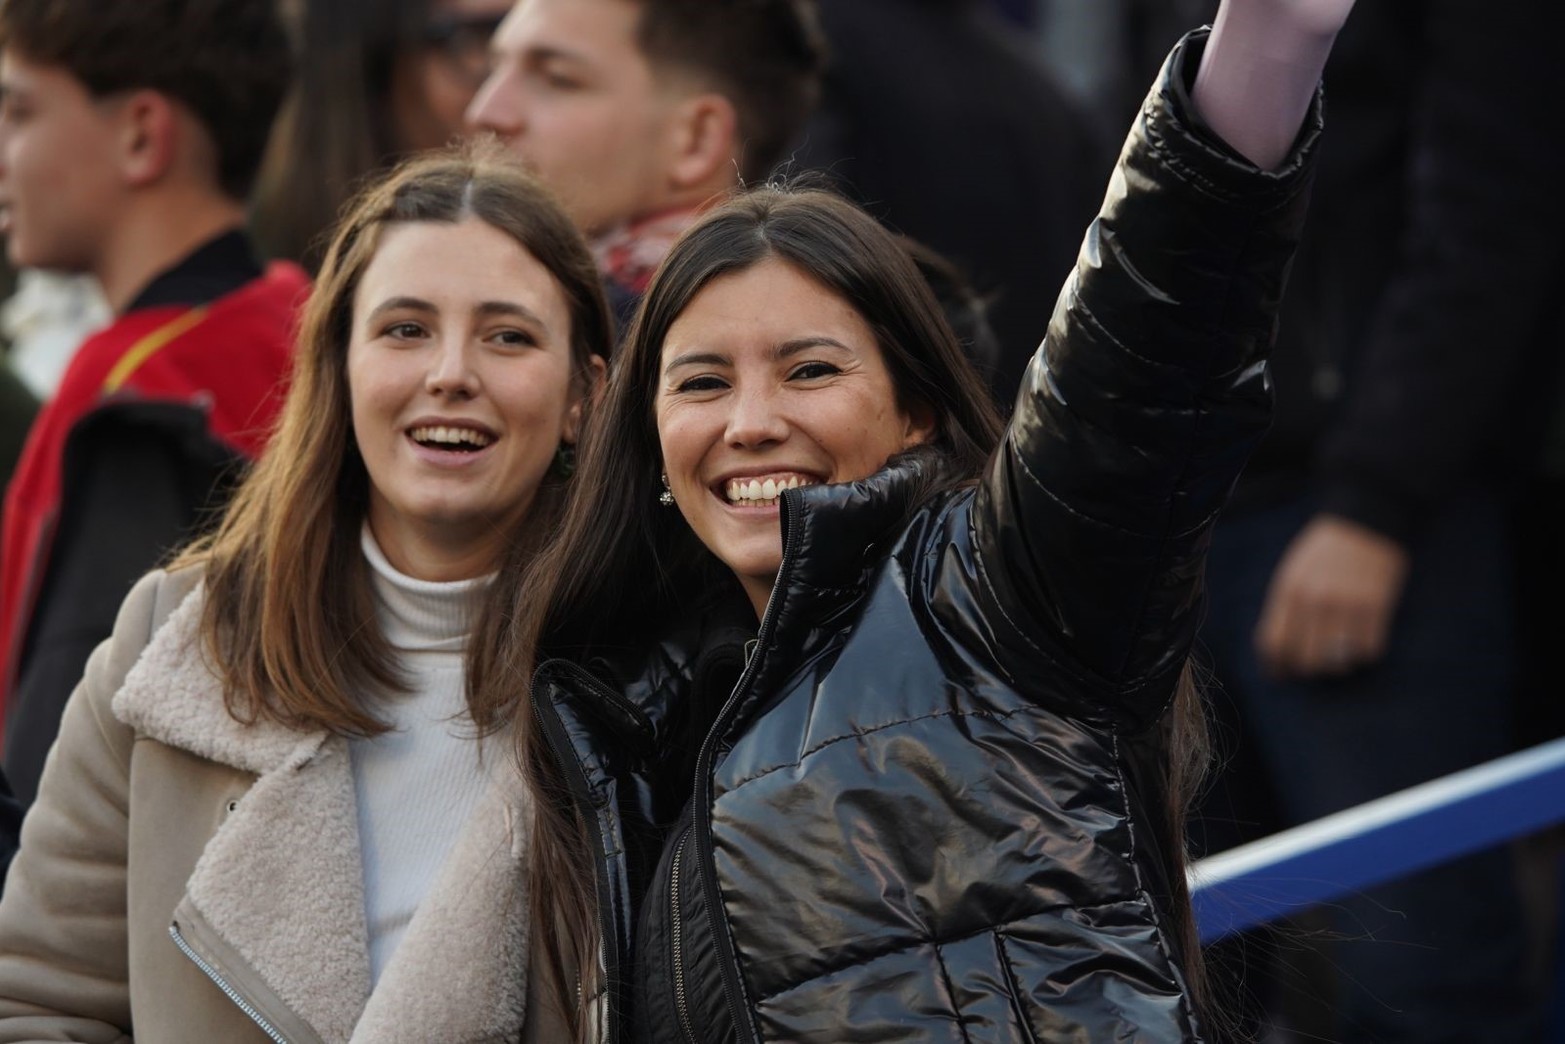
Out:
{"x": 276, "y": 810}
{"x": 862, "y": 716}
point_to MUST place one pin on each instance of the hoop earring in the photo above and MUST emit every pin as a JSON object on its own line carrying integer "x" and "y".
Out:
{"x": 666, "y": 498}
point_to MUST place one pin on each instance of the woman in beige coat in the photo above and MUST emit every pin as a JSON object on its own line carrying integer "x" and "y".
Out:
{"x": 274, "y": 812}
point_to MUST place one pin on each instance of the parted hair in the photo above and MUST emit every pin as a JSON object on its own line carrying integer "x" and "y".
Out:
{"x": 227, "y": 61}
{"x": 765, "y": 56}
{"x": 289, "y": 622}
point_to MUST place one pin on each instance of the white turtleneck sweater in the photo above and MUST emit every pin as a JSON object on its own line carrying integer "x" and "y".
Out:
{"x": 417, "y": 783}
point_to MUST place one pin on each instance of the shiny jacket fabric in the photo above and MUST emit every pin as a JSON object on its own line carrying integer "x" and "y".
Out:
{"x": 925, "y": 811}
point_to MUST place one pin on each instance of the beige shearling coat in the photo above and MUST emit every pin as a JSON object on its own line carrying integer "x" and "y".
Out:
{"x": 186, "y": 878}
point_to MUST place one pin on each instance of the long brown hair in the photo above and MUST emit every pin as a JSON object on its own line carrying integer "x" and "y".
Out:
{"x": 288, "y": 617}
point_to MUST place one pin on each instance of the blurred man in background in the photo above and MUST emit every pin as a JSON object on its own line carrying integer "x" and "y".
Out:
{"x": 638, "y": 113}
{"x": 129, "y": 136}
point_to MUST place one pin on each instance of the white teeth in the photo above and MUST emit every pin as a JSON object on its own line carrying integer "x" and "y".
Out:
{"x": 762, "y": 492}
{"x": 451, "y": 436}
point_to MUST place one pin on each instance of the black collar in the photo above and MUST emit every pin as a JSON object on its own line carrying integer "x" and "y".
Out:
{"x": 216, "y": 268}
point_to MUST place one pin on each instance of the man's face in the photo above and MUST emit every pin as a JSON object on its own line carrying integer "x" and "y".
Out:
{"x": 59, "y": 183}
{"x": 577, "y": 101}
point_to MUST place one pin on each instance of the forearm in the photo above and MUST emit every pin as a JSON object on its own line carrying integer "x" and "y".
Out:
{"x": 1260, "y": 71}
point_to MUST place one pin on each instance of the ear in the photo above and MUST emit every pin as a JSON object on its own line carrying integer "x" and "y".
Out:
{"x": 705, "y": 142}
{"x": 597, "y": 377}
{"x": 921, "y": 425}
{"x": 148, "y": 136}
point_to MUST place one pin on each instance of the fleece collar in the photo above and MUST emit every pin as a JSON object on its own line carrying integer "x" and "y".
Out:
{"x": 281, "y": 881}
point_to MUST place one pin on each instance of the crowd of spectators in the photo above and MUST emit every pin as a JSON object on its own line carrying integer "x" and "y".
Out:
{"x": 1382, "y": 588}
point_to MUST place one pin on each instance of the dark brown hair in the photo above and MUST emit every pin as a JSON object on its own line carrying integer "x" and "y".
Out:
{"x": 764, "y": 56}
{"x": 227, "y": 61}
{"x": 288, "y": 614}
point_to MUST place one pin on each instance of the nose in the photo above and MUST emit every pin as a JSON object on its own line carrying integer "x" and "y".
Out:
{"x": 499, "y": 106}
{"x": 755, "y": 420}
{"x": 451, "y": 373}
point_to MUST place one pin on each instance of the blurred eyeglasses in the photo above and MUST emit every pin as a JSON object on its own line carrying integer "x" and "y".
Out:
{"x": 463, "y": 41}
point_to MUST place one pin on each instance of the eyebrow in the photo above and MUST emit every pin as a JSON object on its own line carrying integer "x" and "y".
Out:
{"x": 483, "y": 308}
{"x": 781, "y": 351}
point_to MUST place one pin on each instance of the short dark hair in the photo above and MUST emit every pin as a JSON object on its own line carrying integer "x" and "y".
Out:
{"x": 765, "y": 56}
{"x": 227, "y": 61}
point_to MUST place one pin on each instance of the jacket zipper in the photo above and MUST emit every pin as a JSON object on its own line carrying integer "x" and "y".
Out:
{"x": 589, "y": 818}
{"x": 681, "y": 1001}
{"x": 700, "y": 823}
{"x": 228, "y": 991}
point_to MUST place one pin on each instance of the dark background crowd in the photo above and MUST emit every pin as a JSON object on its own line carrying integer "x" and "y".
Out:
{"x": 1384, "y": 585}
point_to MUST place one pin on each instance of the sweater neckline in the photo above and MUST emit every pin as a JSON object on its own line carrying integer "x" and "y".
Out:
{"x": 421, "y": 615}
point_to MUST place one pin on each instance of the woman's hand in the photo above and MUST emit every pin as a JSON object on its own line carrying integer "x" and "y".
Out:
{"x": 1260, "y": 70}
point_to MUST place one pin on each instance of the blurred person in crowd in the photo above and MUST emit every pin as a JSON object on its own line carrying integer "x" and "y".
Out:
{"x": 1362, "y": 621}
{"x": 45, "y": 319}
{"x": 856, "y": 716}
{"x": 377, "y": 80}
{"x": 129, "y": 136}
{"x": 294, "y": 781}
{"x": 937, "y": 120}
{"x": 639, "y": 113}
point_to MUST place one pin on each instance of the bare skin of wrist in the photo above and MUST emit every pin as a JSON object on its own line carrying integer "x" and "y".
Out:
{"x": 1260, "y": 69}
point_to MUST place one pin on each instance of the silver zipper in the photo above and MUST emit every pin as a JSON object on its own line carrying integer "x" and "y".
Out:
{"x": 681, "y": 1002}
{"x": 228, "y": 991}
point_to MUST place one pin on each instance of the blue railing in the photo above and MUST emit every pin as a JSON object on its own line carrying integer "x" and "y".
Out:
{"x": 1361, "y": 847}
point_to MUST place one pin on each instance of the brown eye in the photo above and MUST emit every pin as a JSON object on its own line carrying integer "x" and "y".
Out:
{"x": 813, "y": 370}
{"x": 405, "y": 331}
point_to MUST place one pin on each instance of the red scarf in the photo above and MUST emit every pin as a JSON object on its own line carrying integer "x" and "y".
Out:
{"x": 628, "y": 255}
{"x": 230, "y": 358}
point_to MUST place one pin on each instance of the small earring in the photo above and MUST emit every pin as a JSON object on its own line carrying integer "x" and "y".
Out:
{"x": 666, "y": 498}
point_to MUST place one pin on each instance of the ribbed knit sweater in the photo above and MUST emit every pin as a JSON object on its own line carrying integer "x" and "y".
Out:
{"x": 417, "y": 783}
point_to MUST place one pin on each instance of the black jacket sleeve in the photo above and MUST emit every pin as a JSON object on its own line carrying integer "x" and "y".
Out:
{"x": 1485, "y": 223}
{"x": 1141, "y": 407}
{"x": 139, "y": 478}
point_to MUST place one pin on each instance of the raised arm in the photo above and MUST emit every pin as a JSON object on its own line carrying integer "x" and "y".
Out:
{"x": 1260, "y": 69}
{"x": 1147, "y": 395}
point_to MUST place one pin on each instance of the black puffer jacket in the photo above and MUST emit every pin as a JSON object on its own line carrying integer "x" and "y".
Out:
{"x": 921, "y": 814}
